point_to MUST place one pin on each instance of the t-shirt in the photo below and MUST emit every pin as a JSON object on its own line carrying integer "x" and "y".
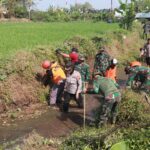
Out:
{"x": 74, "y": 57}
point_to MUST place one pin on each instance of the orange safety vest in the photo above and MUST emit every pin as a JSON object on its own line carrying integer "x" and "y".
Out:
{"x": 111, "y": 73}
{"x": 58, "y": 73}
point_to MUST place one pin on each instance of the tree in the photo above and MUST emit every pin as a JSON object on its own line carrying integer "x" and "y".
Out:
{"x": 128, "y": 12}
{"x": 2, "y": 8}
{"x": 81, "y": 7}
{"x": 143, "y": 5}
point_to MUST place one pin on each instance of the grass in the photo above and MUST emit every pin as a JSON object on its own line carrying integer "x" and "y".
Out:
{"x": 26, "y": 36}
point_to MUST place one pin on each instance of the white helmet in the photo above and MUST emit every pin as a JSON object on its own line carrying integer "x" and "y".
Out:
{"x": 114, "y": 61}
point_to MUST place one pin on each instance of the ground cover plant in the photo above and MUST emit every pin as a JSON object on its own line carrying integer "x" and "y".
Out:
{"x": 132, "y": 127}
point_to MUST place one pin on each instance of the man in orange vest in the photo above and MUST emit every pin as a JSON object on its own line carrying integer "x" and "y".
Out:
{"x": 58, "y": 77}
{"x": 111, "y": 71}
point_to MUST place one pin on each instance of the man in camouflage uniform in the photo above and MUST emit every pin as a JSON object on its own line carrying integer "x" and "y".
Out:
{"x": 109, "y": 101}
{"x": 84, "y": 70}
{"x": 138, "y": 75}
{"x": 102, "y": 62}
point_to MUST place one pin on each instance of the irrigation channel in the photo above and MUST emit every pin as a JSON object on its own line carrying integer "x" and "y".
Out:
{"x": 53, "y": 123}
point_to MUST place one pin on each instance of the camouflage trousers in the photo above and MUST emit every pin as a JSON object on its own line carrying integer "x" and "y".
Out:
{"x": 107, "y": 111}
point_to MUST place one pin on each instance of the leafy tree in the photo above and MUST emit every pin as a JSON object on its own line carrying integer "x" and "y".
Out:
{"x": 81, "y": 7}
{"x": 2, "y": 7}
{"x": 21, "y": 12}
{"x": 143, "y": 5}
{"x": 128, "y": 12}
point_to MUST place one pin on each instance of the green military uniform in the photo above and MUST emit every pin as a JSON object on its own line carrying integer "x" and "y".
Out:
{"x": 109, "y": 102}
{"x": 84, "y": 70}
{"x": 102, "y": 62}
{"x": 141, "y": 74}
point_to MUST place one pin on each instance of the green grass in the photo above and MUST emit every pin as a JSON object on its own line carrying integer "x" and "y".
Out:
{"x": 26, "y": 36}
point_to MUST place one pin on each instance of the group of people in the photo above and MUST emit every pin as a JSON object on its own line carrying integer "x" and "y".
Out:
{"x": 69, "y": 82}
{"x": 75, "y": 79}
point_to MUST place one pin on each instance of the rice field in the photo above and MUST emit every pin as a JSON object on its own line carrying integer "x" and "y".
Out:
{"x": 26, "y": 36}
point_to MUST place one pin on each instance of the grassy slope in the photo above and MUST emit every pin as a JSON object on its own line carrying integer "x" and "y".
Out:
{"x": 16, "y": 36}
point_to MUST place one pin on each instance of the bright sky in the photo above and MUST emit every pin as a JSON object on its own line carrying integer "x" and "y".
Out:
{"x": 98, "y": 4}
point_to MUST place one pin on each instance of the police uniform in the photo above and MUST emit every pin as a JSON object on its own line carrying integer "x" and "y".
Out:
{"x": 73, "y": 85}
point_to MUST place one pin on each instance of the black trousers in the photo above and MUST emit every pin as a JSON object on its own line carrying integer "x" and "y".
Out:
{"x": 68, "y": 97}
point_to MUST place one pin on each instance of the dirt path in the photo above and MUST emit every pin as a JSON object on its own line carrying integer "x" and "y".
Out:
{"x": 53, "y": 123}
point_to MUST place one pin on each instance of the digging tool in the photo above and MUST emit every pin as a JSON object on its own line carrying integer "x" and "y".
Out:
{"x": 84, "y": 101}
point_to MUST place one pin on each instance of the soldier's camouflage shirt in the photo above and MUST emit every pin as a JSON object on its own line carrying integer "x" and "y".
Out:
{"x": 84, "y": 70}
{"x": 141, "y": 74}
{"x": 107, "y": 87}
{"x": 102, "y": 62}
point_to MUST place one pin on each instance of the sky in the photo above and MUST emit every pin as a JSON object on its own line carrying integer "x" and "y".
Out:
{"x": 97, "y": 4}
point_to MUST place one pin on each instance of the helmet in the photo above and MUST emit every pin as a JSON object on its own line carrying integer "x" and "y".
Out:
{"x": 46, "y": 64}
{"x": 135, "y": 63}
{"x": 114, "y": 61}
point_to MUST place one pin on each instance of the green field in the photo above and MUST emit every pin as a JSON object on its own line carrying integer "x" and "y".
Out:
{"x": 26, "y": 36}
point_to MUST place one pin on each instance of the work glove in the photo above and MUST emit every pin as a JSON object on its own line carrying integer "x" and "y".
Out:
{"x": 58, "y": 51}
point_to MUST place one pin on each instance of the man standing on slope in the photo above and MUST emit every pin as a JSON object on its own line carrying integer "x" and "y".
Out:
{"x": 111, "y": 70}
{"x": 58, "y": 77}
{"x": 146, "y": 52}
{"x": 102, "y": 61}
{"x": 73, "y": 87}
{"x": 73, "y": 55}
{"x": 84, "y": 70}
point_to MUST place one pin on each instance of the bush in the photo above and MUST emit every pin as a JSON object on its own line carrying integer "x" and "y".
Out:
{"x": 21, "y": 12}
{"x": 138, "y": 139}
{"x": 131, "y": 107}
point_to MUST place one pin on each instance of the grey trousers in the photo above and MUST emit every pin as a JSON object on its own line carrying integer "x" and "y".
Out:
{"x": 56, "y": 93}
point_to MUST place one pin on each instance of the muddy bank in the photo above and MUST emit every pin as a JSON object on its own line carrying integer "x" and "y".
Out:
{"x": 54, "y": 123}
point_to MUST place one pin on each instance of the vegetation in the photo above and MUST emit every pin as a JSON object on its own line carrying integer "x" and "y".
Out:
{"x": 130, "y": 128}
{"x": 18, "y": 36}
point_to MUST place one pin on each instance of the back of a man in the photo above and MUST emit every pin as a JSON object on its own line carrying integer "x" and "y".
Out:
{"x": 137, "y": 73}
{"x": 111, "y": 71}
{"x": 105, "y": 85}
{"x": 109, "y": 102}
{"x": 102, "y": 62}
{"x": 84, "y": 70}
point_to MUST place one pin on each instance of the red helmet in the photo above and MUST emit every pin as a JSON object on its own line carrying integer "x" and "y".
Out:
{"x": 135, "y": 63}
{"x": 46, "y": 64}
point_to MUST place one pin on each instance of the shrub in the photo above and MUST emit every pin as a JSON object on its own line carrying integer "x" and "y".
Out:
{"x": 131, "y": 107}
{"x": 21, "y": 12}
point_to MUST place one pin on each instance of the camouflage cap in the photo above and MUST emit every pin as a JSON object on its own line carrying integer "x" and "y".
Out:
{"x": 81, "y": 57}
